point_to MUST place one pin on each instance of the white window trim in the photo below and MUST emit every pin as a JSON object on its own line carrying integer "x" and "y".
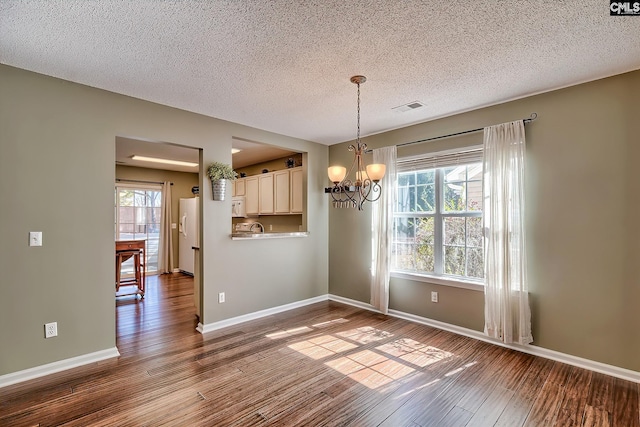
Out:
{"x": 439, "y": 280}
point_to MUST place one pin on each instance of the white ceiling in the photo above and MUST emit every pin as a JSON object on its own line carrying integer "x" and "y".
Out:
{"x": 284, "y": 65}
{"x": 127, "y": 147}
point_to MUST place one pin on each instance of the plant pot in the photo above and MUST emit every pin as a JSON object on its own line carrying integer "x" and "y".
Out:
{"x": 218, "y": 186}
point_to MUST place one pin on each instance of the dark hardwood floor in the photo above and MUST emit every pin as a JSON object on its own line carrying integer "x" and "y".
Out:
{"x": 327, "y": 364}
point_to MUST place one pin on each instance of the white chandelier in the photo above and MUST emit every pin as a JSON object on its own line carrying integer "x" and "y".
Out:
{"x": 352, "y": 193}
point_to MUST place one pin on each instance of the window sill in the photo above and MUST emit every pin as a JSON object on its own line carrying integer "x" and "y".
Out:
{"x": 448, "y": 281}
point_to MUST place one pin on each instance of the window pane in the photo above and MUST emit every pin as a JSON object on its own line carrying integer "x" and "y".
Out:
{"x": 474, "y": 232}
{"x": 454, "y": 231}
{"x": 126, "y": 228}
{"x": 426, "y": 198}
{"x": 425, "y": 244}
{"x": 413, "y": 248}
{"x": 126, "y": 214}
{"x": 155, "y": 198}
{"x": 126, "y": 198}
{"x": 454, "y": 197}
{"x": 406, "y": 199}
{"x": 474, "y": 196}
{"x": 454, "y": 261}
{"x": 455, "y": 173}
{"x": 406, "y": 179}
{"x": 426, "y": 177}
{"x": 475, "y": 262}
{"x": 402, "y": 256}
{"x": 474, "y": 172}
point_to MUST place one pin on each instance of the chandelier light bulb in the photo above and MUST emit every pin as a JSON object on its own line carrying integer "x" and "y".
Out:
{"x": 376, "y": 171}
{"x": 336, "y": 173}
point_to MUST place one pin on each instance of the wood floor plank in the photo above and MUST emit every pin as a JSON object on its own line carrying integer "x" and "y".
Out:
{"x": 596, "y": 417}
{"x": 545, "y": 409}
{"x": 491, "y": 408}
{"x": 625, "y": 404}
{"x": 456, "y": 417}
{"x": 525, "y": 395}
{"x": 576, "y": 390}
{"x": 326, "y": 364}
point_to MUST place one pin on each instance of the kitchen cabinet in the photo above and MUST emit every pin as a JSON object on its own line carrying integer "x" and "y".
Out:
{"x": 274, "y": 193}
{"x": 252, "y": 195}
{"x": 239, "y": 188}
{"x": 296, "y": 193}
{"x": 266, "y": 205}
{"x": 281, "y": 192}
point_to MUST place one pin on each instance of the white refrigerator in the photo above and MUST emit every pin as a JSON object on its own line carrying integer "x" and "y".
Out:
{"x": 188, "y": 234}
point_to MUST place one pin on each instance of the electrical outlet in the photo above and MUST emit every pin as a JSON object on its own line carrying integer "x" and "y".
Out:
{"x": 221, "y": 298}
{"x": 51, "y": 330}
{"x": 270, "y": 227}
{"x": 35, "y": 238}
{"x": 434, "y": 297}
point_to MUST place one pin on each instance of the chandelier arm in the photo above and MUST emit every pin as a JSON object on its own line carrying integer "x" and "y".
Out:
{"x": 371, "y": 187}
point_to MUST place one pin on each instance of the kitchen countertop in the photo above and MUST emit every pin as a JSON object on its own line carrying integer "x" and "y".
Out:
{"x": 260, "y": 236}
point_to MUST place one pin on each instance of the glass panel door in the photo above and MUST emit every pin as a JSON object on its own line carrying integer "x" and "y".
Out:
{"x": 138, "y": 211}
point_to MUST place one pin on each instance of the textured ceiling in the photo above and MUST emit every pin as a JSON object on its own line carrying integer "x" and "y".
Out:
{"x": 284, "y": 65}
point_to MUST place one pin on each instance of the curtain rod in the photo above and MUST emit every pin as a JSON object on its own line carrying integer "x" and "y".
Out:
{"x": 531, "y": 118}
{"x": 141, "y": 181}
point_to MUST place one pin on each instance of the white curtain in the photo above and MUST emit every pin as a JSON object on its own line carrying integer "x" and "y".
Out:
{"x": 382, "y": 227}
{"x": 507, "y": 311}
{"x": 165, "y": 246}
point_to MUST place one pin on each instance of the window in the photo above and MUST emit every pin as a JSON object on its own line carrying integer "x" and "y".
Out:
{"x": 138, "y": 211}
{"x": 438, "y": 219}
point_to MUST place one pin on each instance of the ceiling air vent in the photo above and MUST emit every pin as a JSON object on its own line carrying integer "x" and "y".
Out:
{"x": 408, "y": 107}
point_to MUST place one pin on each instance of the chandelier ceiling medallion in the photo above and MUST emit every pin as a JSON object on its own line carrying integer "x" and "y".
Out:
{"x": 365, "y": 187}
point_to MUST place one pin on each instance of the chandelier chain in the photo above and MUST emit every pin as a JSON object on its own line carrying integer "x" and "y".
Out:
{"x": 358, "y": 135}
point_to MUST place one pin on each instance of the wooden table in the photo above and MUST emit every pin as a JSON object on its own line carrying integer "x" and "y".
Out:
{"x": 135, "y": 249}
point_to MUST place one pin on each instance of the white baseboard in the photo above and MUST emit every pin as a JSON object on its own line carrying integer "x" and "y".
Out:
{"x": 61, "y": 365}
{"x": 209, "y": 327}
{"x": 603, "y": 368}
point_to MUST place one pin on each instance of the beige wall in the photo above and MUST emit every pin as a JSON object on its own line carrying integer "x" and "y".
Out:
{"x": 583, "y": 195}
{"x": 183, "y": 182}
{"x": 57, "y": 156}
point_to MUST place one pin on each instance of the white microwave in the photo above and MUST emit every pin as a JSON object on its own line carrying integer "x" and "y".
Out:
{"x": 238, "y": 208}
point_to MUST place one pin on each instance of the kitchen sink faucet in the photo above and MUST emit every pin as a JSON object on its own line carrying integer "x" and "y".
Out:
{"x": 257, "y": 223}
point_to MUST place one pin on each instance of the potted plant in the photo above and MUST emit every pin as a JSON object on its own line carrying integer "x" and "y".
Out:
{"x": 219, "y": 173}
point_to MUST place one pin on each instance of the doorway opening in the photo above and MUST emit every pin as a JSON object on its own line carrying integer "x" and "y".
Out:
{"x": 151, "y": 179}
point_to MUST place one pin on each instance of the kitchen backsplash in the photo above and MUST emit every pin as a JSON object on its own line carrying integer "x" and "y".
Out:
{"x": 274, "y": 223}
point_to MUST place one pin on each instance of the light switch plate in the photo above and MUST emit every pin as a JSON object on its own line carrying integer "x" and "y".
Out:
{"x": 174, "y": 225}
{"x": 35, "y": 238}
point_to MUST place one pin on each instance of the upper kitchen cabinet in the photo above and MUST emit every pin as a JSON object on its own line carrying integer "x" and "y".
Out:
{"x": 297, "y": 197}
{"x": 252, "y": 195}
{"x": 282, "y": 192}
{"x": 265, "y": 193}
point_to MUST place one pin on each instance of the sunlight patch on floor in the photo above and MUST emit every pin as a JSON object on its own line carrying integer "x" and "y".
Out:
{"x": 330, "y": 323}
{"x": 322, "y": 346}
{"x": 365, "y": 335}
{"x": 386, "y": 363}
{"x": 289, "y": 332}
